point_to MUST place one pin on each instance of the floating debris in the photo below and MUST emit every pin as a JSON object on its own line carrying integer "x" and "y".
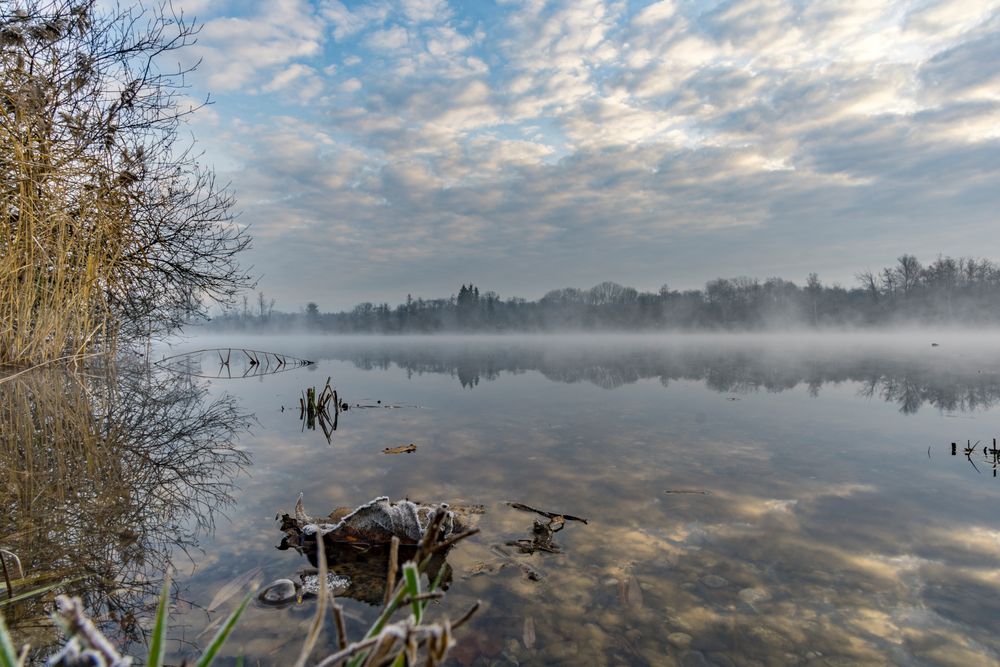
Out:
{"x": 402, "y": 449}
{"x": 542, "y": 535}
{"x": 699, "y": 492}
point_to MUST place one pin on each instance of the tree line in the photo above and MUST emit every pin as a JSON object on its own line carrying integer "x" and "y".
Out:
{"x": 947, "y": 291}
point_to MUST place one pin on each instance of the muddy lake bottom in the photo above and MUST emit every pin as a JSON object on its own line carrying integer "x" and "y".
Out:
{"x": 748, "y": 501}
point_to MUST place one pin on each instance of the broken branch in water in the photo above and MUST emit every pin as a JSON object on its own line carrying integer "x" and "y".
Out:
{"x": 314, "y": 408}
{"x": 547, "y": 515}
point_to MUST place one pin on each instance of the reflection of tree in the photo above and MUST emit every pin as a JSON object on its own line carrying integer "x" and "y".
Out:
{"x": 907, "y": 381}
{"x": 103, "y": 477}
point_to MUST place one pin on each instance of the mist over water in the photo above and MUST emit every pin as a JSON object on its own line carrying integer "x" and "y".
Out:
{"x": 751, "y": 499}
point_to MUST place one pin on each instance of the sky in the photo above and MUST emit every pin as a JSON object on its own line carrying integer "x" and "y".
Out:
{"x": 394, "y": 147}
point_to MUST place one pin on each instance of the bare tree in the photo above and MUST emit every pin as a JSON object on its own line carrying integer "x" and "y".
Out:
{"x": 814, "y": 287}
{"x": 908, "y": 273}
{"x": 869, "y": 282}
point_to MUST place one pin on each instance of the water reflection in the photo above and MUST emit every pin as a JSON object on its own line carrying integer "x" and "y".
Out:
{"x": 231, "y": 363}
{"x": 106, "y": 477}
{"x": 775, "y": 530}
{"x": 989, "y": 457}
{"x": 938, "y": 378}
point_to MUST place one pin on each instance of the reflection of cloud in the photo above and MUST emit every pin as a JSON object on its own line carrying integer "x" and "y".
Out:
{"x": 813, "y": 539}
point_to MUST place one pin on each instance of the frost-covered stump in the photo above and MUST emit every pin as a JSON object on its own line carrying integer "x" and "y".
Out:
{"x": 376, "y": 522}
{"x": 356, "y": 541}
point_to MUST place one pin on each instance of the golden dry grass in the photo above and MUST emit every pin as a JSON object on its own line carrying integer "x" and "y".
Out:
{"x": 63, "y": 230}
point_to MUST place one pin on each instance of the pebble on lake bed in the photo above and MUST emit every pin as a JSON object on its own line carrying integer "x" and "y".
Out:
{"x": 754, "y": 595}
{"x": 281, "y": 591}
{"x": 714, "y": 581}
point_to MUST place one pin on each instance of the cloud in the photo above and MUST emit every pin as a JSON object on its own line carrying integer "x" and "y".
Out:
{"x": 607, "y": 138}
{"x": 347, "y": 22}
{"x": 389, "y": 39}
{"x": 242, "y": 51}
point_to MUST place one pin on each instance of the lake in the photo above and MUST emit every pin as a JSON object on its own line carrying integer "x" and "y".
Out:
{"x": 750, "y": 500}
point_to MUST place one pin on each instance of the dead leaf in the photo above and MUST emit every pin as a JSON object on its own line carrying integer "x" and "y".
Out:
{"x": 402, "y": 449}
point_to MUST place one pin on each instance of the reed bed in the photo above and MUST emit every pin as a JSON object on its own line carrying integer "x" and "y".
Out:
{"x": 65, "y": 227}
{"x": 107, "y": 226}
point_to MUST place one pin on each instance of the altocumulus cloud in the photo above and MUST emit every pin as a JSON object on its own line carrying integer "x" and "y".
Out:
{"x": 385, "y": 147}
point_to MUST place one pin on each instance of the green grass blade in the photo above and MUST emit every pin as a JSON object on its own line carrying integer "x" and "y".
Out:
{"x": 157, "y": 643}
{"x": 412, "y": 577}
{"x": 223, "y": 633}
{"x": 8, "y": 655}
{"x": 434, "y": 586}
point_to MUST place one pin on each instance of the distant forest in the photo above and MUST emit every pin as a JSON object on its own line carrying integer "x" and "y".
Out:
{"x": 947, "y": 291}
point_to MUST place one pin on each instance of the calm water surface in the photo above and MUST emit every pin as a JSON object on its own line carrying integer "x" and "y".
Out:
{"x": 750, "y": 501}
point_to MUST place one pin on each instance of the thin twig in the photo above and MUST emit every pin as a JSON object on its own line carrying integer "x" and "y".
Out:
{"x": 6, "y": 577}
{"x": 346, "y": 653}
{"x": 466, "y": 616}
{"x": 433, "y": 595}
{"x": 338, "y": 619}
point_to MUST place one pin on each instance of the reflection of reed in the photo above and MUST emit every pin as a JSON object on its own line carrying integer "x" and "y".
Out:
{"x": 103, "y": 476}
{"x": 250, "y": 363}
